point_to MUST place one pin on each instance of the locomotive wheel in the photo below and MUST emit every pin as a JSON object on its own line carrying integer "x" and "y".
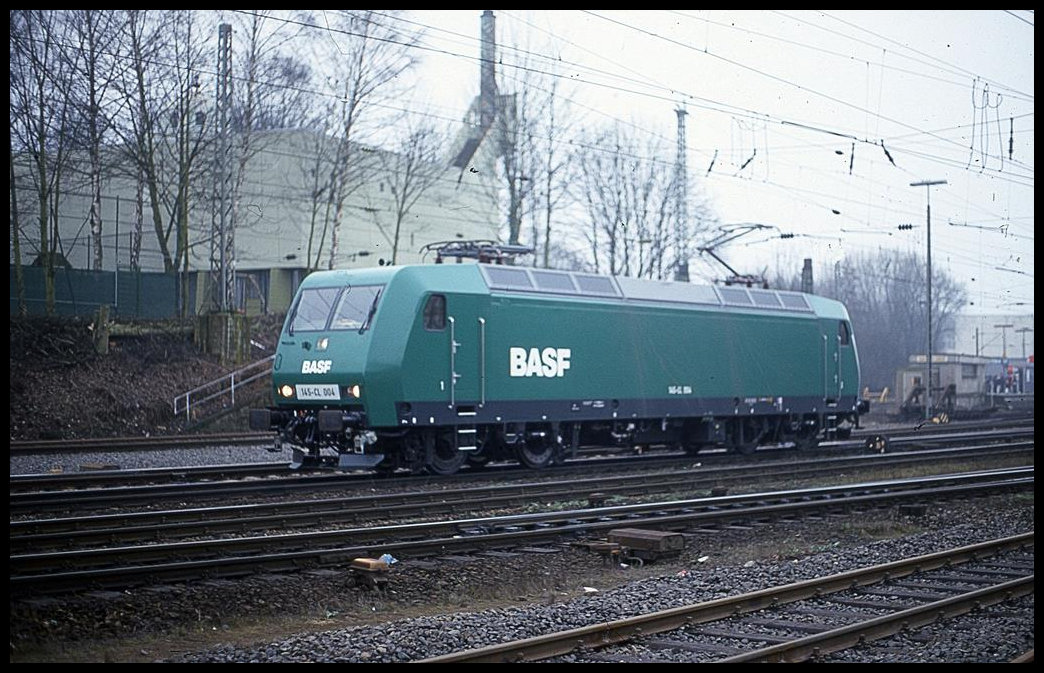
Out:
{"x": 535, "y": 453}
{"x": 807, "y": 439}
{"x": 386, "y": 467}
{"x": 444, "y": 458}
{"x": 745, "y": 448}
{"x": 746, "y": 436}
{"x": 483, "y": 453}
{"x": 806, "y": 443}
{"x": 414, "y": 456}
{"x": 806, "y": 436}
{"x": 477, "y": 462}
{"x": 693, "y": 448}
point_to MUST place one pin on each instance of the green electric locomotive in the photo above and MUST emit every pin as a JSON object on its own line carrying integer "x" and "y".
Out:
{"x": 432, "y": 367}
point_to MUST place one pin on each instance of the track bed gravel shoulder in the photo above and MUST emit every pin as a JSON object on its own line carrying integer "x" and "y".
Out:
{"x": 430, "y": 606}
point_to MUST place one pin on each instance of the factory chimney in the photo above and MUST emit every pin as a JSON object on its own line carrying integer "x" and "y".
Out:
{"x": 488, "y": 81}
{"x": 806, "y": 276}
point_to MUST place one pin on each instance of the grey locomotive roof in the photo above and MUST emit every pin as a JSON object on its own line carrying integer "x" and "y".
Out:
{"x": 546, "y": 281}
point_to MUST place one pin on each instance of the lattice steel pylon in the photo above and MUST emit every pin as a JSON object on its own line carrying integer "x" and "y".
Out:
{"x": 222, "y": 234}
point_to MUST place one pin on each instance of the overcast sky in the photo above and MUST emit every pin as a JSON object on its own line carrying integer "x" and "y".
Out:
{"x": 793, "y": 115}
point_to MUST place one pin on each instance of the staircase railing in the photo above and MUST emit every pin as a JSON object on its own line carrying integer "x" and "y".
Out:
{"x": 222, "y": 387}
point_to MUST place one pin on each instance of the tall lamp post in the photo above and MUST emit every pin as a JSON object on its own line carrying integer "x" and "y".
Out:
{"x": 927, "y": 184}
{"x": 1004, "y": 341}
{"x": 1004, "y": 349}
{"x": 1023, "y": 330}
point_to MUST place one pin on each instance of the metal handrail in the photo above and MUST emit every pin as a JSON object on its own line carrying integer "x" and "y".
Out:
{"x": 224, "y": 385}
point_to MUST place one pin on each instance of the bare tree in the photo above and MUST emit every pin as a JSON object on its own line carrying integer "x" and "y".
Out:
{"x": 528, "y": 132}
{"x": 886, "y": 300}
{"x": 283, "y": 100}
{"x": 165, "y": 132}
{"x": 515, "y": 170}
{"x": 266, "y": 94}
{"x": 335, "y": 171}
{"x": 93, "y": 66}
{"x": 368, "y": 54}
{"x": 16, "y": 241}
{"x": 318, "y": 188}
{"x": 410, "y": 171}
{"x": 555, "y": 160}
{"x": 40, "y": 122}
{"x": 143, "y": 39}
{"x": 533, "y": 124}
{"x": 628, "y": 194}
{"x": 186, "y": 139}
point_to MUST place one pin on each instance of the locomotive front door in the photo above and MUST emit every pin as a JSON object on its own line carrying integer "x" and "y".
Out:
{"x": 466, "y": 346}
{"x": 831, "y": 366}
{"x": 467, "y": 372}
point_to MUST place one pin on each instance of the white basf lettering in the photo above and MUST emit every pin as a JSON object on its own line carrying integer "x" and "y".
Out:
{"x": 544, "y": 362}
{"x": 563, "y": 360}
{"x": 316, "y": 366}
{"x": 518, "y": 361}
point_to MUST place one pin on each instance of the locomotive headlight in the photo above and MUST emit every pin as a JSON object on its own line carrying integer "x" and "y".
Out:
{"x": 354, "y": 390}
{"x": 286, "y": 390}
{"x": 322, "y": 344}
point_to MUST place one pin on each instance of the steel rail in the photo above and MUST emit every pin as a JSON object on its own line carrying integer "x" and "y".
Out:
{"x": 39, "y": 491}
{"x": 127, "y": 527}
{"x": 164, "y": 442}
{"x": 237, "y": 556}
{"x": 596, "y": 636}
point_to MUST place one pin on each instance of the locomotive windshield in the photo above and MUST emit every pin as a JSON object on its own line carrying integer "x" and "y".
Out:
{"x": 335, "y": 308}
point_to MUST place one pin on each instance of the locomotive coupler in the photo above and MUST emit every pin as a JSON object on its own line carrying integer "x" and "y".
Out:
{"x": 336, "y": 420}
{"x": 364, "y": 439}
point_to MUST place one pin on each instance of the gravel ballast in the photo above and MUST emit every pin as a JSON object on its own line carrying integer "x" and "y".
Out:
{"x": 437, "y": 606}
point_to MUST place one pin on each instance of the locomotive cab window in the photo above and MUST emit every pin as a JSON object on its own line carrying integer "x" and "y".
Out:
{"x": 312, "y": 311}
{"x": 435, "y": 313}
{"x": 843, "y": 334}
{"x": 356, "y": 307}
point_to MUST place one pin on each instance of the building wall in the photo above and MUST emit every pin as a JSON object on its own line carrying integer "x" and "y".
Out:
{"x": 277, "y": 217}
{"x": 282, "y": 285}
{"x": 974, "y": 378}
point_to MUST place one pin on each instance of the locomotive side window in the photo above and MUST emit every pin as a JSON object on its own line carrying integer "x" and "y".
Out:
{"x": 843, "y": 334}
{"x": 435, "y": 313}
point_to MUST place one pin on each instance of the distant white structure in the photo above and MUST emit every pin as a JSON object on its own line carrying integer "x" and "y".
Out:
{"x": 990, "y": 336}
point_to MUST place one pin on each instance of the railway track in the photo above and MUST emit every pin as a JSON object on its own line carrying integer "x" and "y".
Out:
{"x": 166, "y": 524}
{"x": 45, "y": 491}
{"x": 267, "y": 439}
{"x": 122, "y": 566}
{"x": 152, "y": 442}
{"x": 803, "y": 621}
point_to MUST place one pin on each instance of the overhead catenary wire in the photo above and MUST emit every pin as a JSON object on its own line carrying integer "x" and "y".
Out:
{"x": 822, "y": 197}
